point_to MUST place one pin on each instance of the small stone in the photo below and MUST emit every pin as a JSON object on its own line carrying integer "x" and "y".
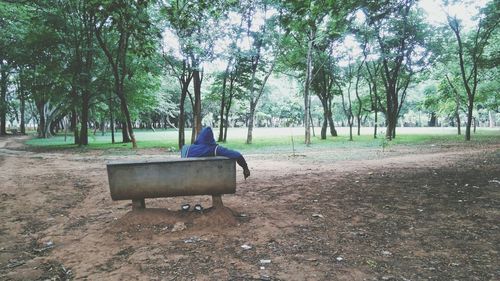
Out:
{"x": 193, "y": 239}
{"x": 179, "y": 226}
{"x": 386, "y": 253}
{"x": 339, "y": 258}
{"x": 246, "y": 247}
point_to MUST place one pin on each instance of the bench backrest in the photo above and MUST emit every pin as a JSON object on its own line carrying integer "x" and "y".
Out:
{"x": 168, "y": 178}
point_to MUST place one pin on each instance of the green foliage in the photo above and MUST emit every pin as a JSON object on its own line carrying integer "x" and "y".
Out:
{"x": 54, "y": 62}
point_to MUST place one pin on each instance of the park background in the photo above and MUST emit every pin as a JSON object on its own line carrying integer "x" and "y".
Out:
{"x": 79, "y": 70}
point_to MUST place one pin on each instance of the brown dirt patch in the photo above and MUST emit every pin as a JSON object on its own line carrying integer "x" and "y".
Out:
{"x": 409, "y": 213}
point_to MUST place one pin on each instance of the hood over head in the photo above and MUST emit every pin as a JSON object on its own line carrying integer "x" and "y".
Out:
{"x": 206, "y": 136}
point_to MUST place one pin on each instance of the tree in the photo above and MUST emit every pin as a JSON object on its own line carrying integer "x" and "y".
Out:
{"x": 262, "y": 56}
{"x": 347, "y": 105}
{"x": 471, "y": 52}
{"x": 196, "y": 26}
{"x": 401, "y": 35}
{"x": 359, "y": 73}
{"x": 309, "y": 23}
{"x": 373, "y": 70}
{"x": 450, "y": 87}
{"x": 77, "y": 34}
{"x": 14, "y": 23}
{"x": 322, "y": 84}
{"x": 120, "y": 24}
{"x": 233, "y": 57}
{"x": 184, "y": 74}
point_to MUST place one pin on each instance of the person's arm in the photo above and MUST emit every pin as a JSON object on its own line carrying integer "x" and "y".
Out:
{"x": 233, "y": 154}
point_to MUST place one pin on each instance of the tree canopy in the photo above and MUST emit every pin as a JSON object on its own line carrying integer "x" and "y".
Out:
{"x": 121, "y": 64}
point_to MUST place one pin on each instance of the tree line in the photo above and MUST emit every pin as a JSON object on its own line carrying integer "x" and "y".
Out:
{"x": 75, "y": 64}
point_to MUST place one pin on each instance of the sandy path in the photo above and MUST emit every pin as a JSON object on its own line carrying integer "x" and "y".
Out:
{"x": 58, "y": 218}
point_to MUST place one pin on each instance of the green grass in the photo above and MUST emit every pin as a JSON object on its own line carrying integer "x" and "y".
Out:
{"x": 274, "y": 139}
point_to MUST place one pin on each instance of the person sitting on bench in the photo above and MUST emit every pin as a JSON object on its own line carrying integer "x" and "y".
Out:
{"x": 205, "y": 146}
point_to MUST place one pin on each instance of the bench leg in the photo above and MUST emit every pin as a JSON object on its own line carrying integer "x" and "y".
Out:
{"x": 217, "y": 201}
{"x": 138, "y": 204}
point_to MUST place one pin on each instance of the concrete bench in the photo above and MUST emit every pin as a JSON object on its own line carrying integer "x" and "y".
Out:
{"x": 137, "y": 180}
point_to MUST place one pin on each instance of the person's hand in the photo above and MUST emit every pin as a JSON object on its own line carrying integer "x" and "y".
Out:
{"x": 246, "y": 173}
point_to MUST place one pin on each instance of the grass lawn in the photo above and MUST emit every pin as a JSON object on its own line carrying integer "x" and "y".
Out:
{"x": 277, "y": 139}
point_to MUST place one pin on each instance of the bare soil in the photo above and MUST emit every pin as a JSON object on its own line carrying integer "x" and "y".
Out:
{"x": 424, "y": 212}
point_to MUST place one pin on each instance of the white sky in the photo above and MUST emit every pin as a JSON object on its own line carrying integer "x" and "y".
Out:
{"x": 464, "y": 10}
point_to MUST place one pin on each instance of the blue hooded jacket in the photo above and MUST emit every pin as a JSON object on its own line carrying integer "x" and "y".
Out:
{"x": 205, "y": 146}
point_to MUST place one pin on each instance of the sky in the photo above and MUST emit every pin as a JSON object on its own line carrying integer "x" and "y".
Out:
{"x": 464, "y": 10}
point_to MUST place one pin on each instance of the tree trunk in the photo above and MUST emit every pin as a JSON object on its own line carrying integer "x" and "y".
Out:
{"x": 111, "y": 120}
{"x": 228, "y": 107}
{"x": 311, "y": 121}
{"x": 84, "y": 140}
{"x": 223, "y": 102}
{"x": 125, "y": 135}
{"x": 360, "y": 105}
{"x": 181, "y": 125}
{"x": 197, "y": 103}
{"x": 87, "y": 80}
{"x": 350, "y": 121}
{"x": 250, "y": 123}
{"x": 42, "y": 133}
{"x": 3, "y": 99}
{"x": 324, "y": 126}
{"x": 392, "y": 109}
{"x": 127, "y": 128}
{"x": 128, "y": 122}
{"x": 358, "y": 117}
{"x": 222, "y": 106}
{"x": 307, "y": 85}
{"x": 333, "y": 131}
{"x": 432, "y": 122}
{"x": 73, "y": 126}
{"x": 470, "y": 108}
{"x": 22, "y": 109}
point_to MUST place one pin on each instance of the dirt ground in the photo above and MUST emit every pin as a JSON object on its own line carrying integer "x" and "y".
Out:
{"x": 426, "y": 212}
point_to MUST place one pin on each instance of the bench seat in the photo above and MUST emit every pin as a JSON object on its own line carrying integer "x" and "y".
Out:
{"x": 139, "y": 179}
